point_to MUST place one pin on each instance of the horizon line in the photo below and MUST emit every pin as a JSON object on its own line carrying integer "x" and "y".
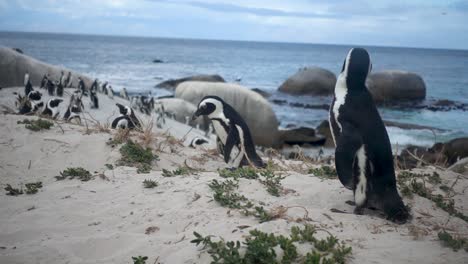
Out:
{"x": 229, "y": 40}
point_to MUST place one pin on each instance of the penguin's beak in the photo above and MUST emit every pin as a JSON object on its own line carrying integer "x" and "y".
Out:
{"x": 196, "y": 114}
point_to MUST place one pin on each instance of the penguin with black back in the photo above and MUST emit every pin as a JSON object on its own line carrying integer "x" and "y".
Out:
{"x": 44, "y": 81}
{"x": 94, "y": 99}
{"x": 197, "y": 141}
{"x": 82, "y": 86}
{"x": 51, "y": 108}
{"x": 75, "y": 108}
{"x": 363, "y": 154}
{"x": 27, "y": 84}
{"x": 127, "y": 118}
{"x": 233, "y": 132}
{"x": 59, "y": 89}
{"x": 50, "y": 87}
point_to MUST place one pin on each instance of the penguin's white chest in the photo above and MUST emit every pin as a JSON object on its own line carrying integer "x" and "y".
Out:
{"x": 341, "y": 90}
{"x": 220, "y": 131}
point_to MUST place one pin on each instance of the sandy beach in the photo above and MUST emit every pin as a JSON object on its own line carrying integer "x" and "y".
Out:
{"x": 112, "y": 217}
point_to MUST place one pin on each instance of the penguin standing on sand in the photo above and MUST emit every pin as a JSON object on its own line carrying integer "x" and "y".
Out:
{"x": 75, "y": 108}
{"x": 27, "y": 84}
{"x": 110, "y": 92}
{"x": 81, "y": 86}
{"x": 51, "y": 108}
{"x": 94, "y": 99}
{"x": 127, "y": 118}
{"x": 44, "y": 81}
{"x": 363, "y": 155}
{"x": 232, "y": 130}
{"x": 59, "y": 89}
{"x": 124, "y": 94}
{"x": 68, "y": 81}
{"x": 94, "y": 85}
{"x": 62, "y": 78}
{"x": 50, "y": 87}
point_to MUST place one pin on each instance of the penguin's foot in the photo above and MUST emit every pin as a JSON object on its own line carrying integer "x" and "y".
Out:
{"x": 400, "y": 217}
{"x": 231, "y": 168}
{"x": 359, "y": 210}
{"x": 349, "y": 202}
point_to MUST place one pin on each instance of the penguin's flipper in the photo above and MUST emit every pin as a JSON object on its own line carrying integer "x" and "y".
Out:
{"x": 346, "y": 147}
{"x": 231, "y": 140}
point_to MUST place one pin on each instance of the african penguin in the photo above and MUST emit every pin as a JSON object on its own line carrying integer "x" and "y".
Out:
{"x": 75, "y": 108}
{"x": 127, "y": 118}
{"x": 94, "y": 99}
{"x": 239, "y": 148}
{"x": 94, "y": 85}
{"x": 81, "y": 86}
{"x": 44, "y": 81}
{"x": 50, "y": 87}
{"x": 110, "y": 92}
{"x": 124, "y": 94}
{"x": 27, "y": 84}
{"x": 68, "y": 80}
{"x": 35, "y": 99}
{"x": 62, "y": 78}
{"x": 51, "y": 108}
{"x": 197, "y": 141}
{"x": 59, "y": 88}
{"x": 363, "y": 154}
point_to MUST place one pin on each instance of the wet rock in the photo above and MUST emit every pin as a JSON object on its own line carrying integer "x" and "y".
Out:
{"x": 261, "y": 92}
{"x": 393, "y": 85}
{"x": 301, "y": 136}
{"x": 172, "y": 84}
{"x": 310, "y": 81}
{"x": 324, "y": 130}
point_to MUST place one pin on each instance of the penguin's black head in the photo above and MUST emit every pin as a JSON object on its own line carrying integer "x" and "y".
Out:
{"x": 124, "y": 110}
{"x": 208, "y": 106}
{"x": 54, "y": 102}
{"x": 357, "y": 65}
{"x": 35, "y": 95}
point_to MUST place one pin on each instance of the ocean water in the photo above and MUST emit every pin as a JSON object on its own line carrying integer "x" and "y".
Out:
{"x": 127, "y": 62}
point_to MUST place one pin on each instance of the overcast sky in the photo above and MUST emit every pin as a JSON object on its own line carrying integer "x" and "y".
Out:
{"x": 411, "y": 23}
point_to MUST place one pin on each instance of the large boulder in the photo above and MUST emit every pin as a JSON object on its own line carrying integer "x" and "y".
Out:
{"x": 181, "y": 110}
{"x": 13, "y": 66}
{"x": 256, "y": 111}
{"x": 172, "y": 83}
{"x": 310, "y": 81}
{"x": 324, "y": 130}
{"x": 460, "y": 166}
{"x": 442, "y": 154}
{"x": 453, "y": 150}
{"x": 394, "y": 86}
{"x": 300, "y": 136}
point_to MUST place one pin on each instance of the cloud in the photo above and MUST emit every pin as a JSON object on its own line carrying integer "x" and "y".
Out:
{"x": 424, "y": 23}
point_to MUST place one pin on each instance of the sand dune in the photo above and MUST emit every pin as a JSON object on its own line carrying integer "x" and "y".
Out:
{"x": 104, "y": 220}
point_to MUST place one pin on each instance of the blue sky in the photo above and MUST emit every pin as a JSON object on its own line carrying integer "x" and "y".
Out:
{"x": 412, "y": 23}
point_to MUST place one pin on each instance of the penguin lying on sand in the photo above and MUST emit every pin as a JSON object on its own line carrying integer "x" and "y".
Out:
{"x": 363, "y": 155}
{"x": 232, "y": 130}
{"x": 197, "y": 141}
{"x": 127, "y": 118}
{"x": 51, "y": 108}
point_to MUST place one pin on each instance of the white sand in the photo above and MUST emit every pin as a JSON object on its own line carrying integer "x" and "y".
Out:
{"x": 104, "y": 221}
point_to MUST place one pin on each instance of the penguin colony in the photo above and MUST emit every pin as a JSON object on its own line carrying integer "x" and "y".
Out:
{"x": 363, "y": 155}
